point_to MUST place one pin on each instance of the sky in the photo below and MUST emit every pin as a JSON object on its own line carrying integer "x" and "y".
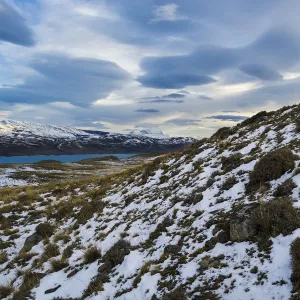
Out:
{"x": 187, "y": 67}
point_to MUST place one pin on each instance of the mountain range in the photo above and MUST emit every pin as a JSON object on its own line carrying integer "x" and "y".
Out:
{"x": 26, "y": 138}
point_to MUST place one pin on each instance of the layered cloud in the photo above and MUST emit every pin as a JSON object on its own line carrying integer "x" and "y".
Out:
{"x": 13, "y": 26}
{"x": 63, "y": 78}
{"x": 264, "y": 59}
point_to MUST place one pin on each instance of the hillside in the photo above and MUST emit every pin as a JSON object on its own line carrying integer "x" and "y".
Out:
{"x": 26, "y": 138}
{"x": 218, "y": 220}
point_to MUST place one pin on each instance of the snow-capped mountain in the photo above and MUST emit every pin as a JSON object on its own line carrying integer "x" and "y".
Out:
{"x": 26, "y": 138}
{"x": 156, "y": 134}
{"x": 218, "y": 220}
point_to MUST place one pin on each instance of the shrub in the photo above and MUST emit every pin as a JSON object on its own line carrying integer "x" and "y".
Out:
{"x": 222, "y": 133}
{"x": 231, "y": 162}
{"x": 295, "y": 255}
{"x": 272, "y": 166}
{"x": 275, "y": 217}
{"x": 58, "y": 264}
{"x": 31, "y": 279}
{"x": 68, "y": 251}
{"x": 177, "y": 294}
{"x": 94, "y": 286}
{"x": 115, "y": 255}
{"x": 5, "y": 291}
{"x": 161, "y": 227}
{"x": 44, "y": 230}
{"x": 193, "y": 198}
{"x": 229, "y": 183}
{"x": 298, "y": 125}
{"x": 61, "y": 236}
{"x": 285, "y": 188}
{"x": 255, "y": 119}
{"x": 91, "y": 254}
{"x": 51, "y": 250}
{"x": 88, "y": 209}
{"x": 3, "y": 258}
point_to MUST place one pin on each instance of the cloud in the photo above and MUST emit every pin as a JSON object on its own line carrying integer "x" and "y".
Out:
{"x": 150, "y": 110}
{"x": 170, "y": 98}
{"x": 61, "y": 78}
{"x": 260, "y": 59}
{"x": 13, "y": 27}
{"x": 174, "y": 95}
{"x": 182, "y": 122}
{"x": 161, "y": 101}
{"x": 261, "y": 72}
{"x": 146, "y": 125}
{"x": 232, "y": 118}
{"x": 166, "y": 12}
{"x": 173, "y": 81}
{"x": 203, "y": 97}
{"x": 230, "y": 111}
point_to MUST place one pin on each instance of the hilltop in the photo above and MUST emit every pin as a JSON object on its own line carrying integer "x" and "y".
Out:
{"x": 219, "y": 219}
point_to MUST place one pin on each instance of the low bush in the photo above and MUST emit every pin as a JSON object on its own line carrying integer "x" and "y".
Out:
{"x": 44, "y": 230}
{"x": 161, "y": 227}
{"x": 231, "y": 162}
{"x": 255, "y": 119}
{"x": 229, "y": 183}
{"x": 30, "y": 280}
{"x": 94, "y": 286}
{"x": 51, "y": 250}
{"x": 193, "y": 198}
{"x": 285, "y": 189}
{"x": 298, "y": 125}
{"x": 91, "y": 254}
{"x": 5, "y": 291}
{"x": 295, "y": 257}
{"x": 177, "y": 294}
{"x": 222, "y": 133}
{"x": 115, "y": 255}
{"x": 272, "y": 166}
{"x": 88, "y": 210}
{"x": 3, "y": 258}
{"x": 274, "y": 217}
{"x": 58, "y": 264}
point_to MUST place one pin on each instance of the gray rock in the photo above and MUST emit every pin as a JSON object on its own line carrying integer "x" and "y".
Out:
{"x": 31, "y": 241}
{"x": 50, "y": 291}
{"x": 241, "y": 226}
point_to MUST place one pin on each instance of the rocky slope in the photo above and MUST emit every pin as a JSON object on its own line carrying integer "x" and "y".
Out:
{"x": 25, "y": 138}
{"x": 217, "y": 220}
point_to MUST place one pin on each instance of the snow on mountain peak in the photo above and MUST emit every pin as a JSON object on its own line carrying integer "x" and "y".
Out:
{"x": 152, "y": 133}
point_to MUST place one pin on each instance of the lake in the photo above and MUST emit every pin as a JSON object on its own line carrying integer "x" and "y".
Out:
{"x": 61, "y": 158}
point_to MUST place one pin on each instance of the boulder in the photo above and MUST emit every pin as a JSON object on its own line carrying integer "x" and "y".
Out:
{"x": 241, "y": 226}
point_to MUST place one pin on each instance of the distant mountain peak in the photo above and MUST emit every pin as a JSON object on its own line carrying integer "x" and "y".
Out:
{"x": 150, "y": 132}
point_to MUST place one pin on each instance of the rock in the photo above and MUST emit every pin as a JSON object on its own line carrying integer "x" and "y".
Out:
{"x": 241, "y": 227}
{"x": 172, "y": 249}
{"x": 50, "y": 291}
{"x": 31, "y": 241}
{"x": 42, "y": 231}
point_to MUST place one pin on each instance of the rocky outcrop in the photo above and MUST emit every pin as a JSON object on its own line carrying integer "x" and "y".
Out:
{"x": 241, "y": 225}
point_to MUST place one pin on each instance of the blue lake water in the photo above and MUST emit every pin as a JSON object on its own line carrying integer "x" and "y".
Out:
{"x": 61, "y": 158}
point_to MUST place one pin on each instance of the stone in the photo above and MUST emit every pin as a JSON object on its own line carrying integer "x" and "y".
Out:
{"x": 50, "y": 291}
{"x": 241, "y": 227}
{"x": 31, "y": 241}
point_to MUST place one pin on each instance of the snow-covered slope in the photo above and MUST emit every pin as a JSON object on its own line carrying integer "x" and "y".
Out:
{"x": 26, "y": 138}
{"x": 213, "y": 221}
